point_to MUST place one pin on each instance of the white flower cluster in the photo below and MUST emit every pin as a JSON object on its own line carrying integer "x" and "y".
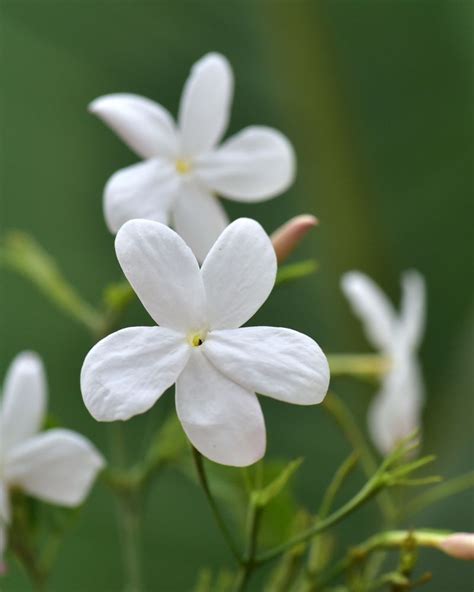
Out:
{"x": 198, "y": 342}
{"x": 199, "y": 345}
{"x": 217, "y": 366}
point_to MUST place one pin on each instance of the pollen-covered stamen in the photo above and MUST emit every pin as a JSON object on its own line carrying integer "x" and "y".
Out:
{"x": 197, "y": 339}
{"x": 183, "y": 166}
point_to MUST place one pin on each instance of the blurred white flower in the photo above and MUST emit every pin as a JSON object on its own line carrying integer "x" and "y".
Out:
{"x": 184, "y": 168}
{"x": 396, "y": 409}
{"x": 217, "y": 366}
{"x": 57, "y": 466}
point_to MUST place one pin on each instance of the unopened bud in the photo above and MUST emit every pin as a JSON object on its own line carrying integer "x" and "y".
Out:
{"x": 459, "y": 545}
{"x": 286, "y": 238}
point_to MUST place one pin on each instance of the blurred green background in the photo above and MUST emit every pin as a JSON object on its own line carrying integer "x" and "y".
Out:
{"x": 377, "y": 99}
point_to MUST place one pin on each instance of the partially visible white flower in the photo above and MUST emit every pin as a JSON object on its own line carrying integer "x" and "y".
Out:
{"x": 396, "y": 410}
{"x": 184, "y": 168}
{"x": 57, "y": 466}
{"x": 216, "y": 365}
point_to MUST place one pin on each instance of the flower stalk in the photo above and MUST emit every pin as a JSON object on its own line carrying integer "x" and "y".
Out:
{"x": 130, "y": 523}
{"x": 353, "y": 434}
{"x": 248, "y": 562}
{"x": 203, "y": 481}
{"x": 390, "y": 473}
{"x": 396, "y": 539}
{"x": 359, "y": 365}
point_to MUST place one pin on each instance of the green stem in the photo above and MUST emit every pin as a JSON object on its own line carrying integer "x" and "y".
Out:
{"x": 130, "y": 526}
{"x": 344, "y": 419}
{"x": 362, "y": 365}
{"x": 395, "y": 539}
{"x": 370, "y": 489}
{"x": 128, "y": 512}
{"x": 38, "y": 578}
{"x": 316, "y": 548}
{"x": 202, "y": 477}
{"x": 336, "y": 483}
{"x": 248, "y": 564}
{"x": 23, "y": 547}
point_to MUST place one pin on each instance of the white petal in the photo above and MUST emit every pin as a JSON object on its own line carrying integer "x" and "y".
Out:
{"x": 255, "y": 164}
{"x": 395, "y": 412}
{"x": 143, "y": 190}
{"x": 205, "y": 104}
{"x": 24, "y": 400}
{"x": 373, "y": 308}
{"x": 5, "y": 511}
{"x": 199, "y": 218}
{"x": 239, "y": 274}
{"x": 223, "y": 420}
{"x": 144, "y": 125}
{"x": 164, "y": 273}
{"x": 280, "y": 363}
{"x": 57, "y": 466}
{"x": 413, "y": 308}
{"x": 126, "y": 373}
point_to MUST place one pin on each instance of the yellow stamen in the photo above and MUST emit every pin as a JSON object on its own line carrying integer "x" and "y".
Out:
{"x": 183, "y": 166}
{"x": 196, "y": 339}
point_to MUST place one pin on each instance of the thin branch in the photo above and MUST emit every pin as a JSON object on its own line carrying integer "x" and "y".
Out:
{"x": 248, "y": 564}
{"x": 361, "y": 365}
{"x": 395, "y": 539}
{"x": 353, "y": 434}
{"x": 202, "y": 477}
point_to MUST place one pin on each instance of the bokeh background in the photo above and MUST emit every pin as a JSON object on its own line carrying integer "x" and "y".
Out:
{"x": 377, "y": 99}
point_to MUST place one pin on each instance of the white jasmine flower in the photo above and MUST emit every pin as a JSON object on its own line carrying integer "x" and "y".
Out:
{"x": 216, "y": 365}
{"x": 396, "y": 411}
{"x": 57, "y": 466}
{"x": 184, "y": 167}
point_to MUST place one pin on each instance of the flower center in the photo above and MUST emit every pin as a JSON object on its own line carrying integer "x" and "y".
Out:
{"x": 183, "y": 166}
{"x": 197, "y": 339}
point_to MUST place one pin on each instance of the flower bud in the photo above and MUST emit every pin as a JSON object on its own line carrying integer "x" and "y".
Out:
{"x": 459, "y": 545}
{"x": 286, "y": 238}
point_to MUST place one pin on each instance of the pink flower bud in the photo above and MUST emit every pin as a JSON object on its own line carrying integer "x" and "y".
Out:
{"x": 286, "y": 238}
{"x": 459, "y": 545}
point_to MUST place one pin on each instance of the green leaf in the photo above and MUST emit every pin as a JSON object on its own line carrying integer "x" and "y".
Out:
{"x": 21, "y": 253}
{"x": 435, "y": 494}
{"x": 263, "y": 496}
{"x": 295, "y": 271}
